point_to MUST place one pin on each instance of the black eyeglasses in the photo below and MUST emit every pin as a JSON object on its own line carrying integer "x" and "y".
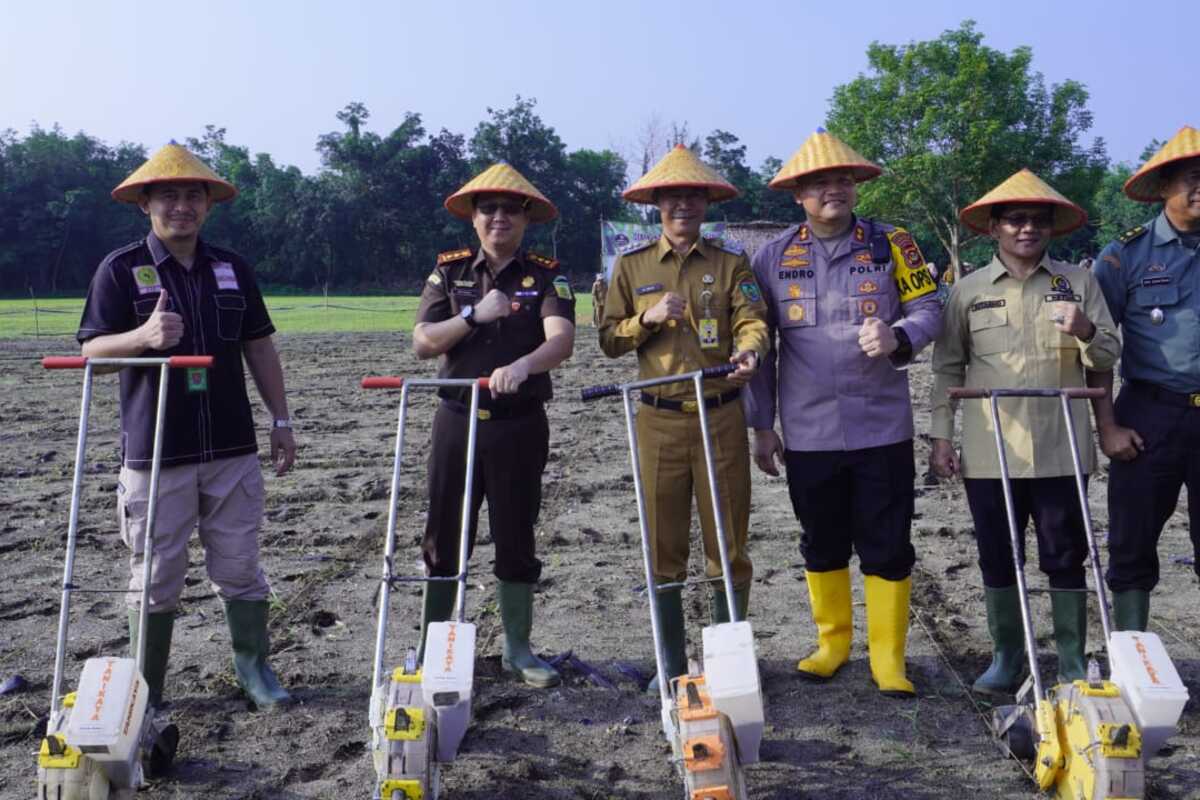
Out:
{"x": 490, "y": 207}
{"x": 1019, "y": 221}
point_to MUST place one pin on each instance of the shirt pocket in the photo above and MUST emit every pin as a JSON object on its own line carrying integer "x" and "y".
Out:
{"x": 144, "y": 307}
{"x": 231, "y": 308}
{"x": 797, "y": 312}
{"x": 989, "y": 330}
{"x": 1149, "y": 297}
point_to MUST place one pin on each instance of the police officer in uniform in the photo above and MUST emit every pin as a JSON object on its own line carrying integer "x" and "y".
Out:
{"x": 1024, "y": 320}
{"x": 172, "y": 293}
{"x": 684, "y": 302}
{"x": 507, "y": 314}
{"x": 851, "y": 302}
{"x": 1151, "y": 279}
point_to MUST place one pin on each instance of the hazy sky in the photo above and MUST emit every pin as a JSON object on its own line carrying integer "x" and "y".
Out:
{"x": 275, "y": 73}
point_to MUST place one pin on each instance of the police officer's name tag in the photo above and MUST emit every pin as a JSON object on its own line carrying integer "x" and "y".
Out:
{"x": 709, "y": 334}
{"x": 226, "y": 278}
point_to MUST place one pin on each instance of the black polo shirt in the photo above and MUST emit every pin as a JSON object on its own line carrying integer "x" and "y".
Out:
{"x": 221, "y": 307}
{"x": 536, "y": 290}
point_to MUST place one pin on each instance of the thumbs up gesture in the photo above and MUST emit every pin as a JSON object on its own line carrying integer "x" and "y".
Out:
{"x": 876, "y": 338}
{"x": 164, "y": 329}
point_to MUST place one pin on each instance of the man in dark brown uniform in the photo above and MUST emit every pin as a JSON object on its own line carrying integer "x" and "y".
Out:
{"x": 506, "y": 314}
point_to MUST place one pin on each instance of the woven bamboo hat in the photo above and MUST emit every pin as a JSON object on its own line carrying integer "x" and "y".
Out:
{"x": 501, "y": 177}
{"x": 680, "y": 168}
{"x": 821, "y": 151}
{"x": 174, "y": 164}
{"x": 1024, "y": 188}
{"x": 1146, "y": 183}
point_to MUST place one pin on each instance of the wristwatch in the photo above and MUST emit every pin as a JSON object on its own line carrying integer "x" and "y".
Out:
{"x": 468, "y": 316}
{"x": 282, "y": 423}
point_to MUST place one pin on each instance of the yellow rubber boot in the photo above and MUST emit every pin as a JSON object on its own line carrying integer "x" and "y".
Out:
{"x": 832, "y": 613}
{"x": 887, "y": 630}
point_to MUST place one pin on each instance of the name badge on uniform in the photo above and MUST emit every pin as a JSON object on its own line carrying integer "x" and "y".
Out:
{"x": 197, "y": 379}
{"x": 146, "y": 278}
{"x": 709, "y": 334}
{"x": 650, "y": 288}
{"x": 223, "y": 272}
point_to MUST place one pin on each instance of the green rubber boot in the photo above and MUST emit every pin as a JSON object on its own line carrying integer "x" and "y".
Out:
{"x": 158, "y": 649}
{"x": 247, "y": 620}
{"x": 674, "y": 636}
{"x": 437, "y": 606}
{"x": 1070, "y": 634}
{"x": 1131, "y": 610}
{"x": 718, "y": 609}
{"x": 516, "y": 612}
{"x": 1004, "y": 674}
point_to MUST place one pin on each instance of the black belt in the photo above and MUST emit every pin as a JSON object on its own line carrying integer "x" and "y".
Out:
{"x": 507, "y": 412}
{"x": 690, "y": 406}
{"x": 1167, "y": 397}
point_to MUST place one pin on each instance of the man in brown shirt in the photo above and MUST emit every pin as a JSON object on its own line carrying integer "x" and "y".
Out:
{"x": 1023, "y": 321}
{"x": 684, "y": 303}
{"x": 506, "y": 314}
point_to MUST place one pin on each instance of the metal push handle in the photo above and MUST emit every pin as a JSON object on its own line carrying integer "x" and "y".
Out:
{"x": 626, "y": 392}
{"x": 86, "y": 364}
{"x": 476, "y": 385}
{"x": 1065, "y": 395}
{"x": 613, "y": 389}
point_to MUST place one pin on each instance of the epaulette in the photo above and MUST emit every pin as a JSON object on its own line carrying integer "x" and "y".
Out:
{"x": 728, "y": 245}
{"x": 633, "y": 247}
{"x": 453, "y": 255}
{"x": 1131, "y": 234}
{"x": 542, "y": 261}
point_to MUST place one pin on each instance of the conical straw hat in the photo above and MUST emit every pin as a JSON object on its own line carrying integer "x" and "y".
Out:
{"x": 1146, "y": 183}
{"x": 173, "y": 163}
{"x": 821, "y": 151}
{"x": 680, "y": 168}
{"x": 501, "y": 177}
{"x": 1024, "y": 188}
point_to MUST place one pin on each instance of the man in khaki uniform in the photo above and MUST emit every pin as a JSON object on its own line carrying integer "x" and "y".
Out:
{"x": 1023, "y": 321}
{"x": 684, "y": 303}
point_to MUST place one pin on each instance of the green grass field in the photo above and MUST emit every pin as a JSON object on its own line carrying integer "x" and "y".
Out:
{"x": 291, "y": 314}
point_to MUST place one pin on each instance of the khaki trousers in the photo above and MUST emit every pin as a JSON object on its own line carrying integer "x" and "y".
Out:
{"x": 673, "y": 470}
{"x": 224, "y": 500}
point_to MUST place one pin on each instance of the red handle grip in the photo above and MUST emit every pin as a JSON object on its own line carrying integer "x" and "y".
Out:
{"x": 64, "y": 362}
{"x": 381, "y": 382}
{"x": 1089, "y": 393}
{"x": 190, "y": 361}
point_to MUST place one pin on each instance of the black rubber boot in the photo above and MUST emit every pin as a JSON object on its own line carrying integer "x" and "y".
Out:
{"x": 1131, "y": 610}
{"x": 718, "y": 609}
{"x": 247, "y": 620}
{"x": 1004, "y": 674}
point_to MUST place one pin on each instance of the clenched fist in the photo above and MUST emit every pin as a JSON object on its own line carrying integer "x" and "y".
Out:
{"x": 671, "y": 306}
{"x": 1070, "y": 319}
{"x": 876, "y": 338}
{"x": 492, "y": 307}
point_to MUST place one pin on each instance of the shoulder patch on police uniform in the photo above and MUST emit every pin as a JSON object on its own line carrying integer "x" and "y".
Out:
{"x": 453, "y": 255}
{"x": 728, "y": 245}
{"x": 562, "y": 287}
{"x": 435, "y": 278}
{"x": 912, "y": 277}
{"x": 902, "y": 240}
{"x": 750, "y": 291}
{"x": 542, "y": 261}
{"x": 1131, "y": 234}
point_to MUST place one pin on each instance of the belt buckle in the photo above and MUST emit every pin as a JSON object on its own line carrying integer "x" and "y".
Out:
{"x": 484, "y": 414}
{"x": 689, "y": 406}
{"x": 1194, "y": 399}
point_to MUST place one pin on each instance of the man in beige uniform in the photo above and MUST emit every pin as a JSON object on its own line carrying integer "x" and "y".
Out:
{"x": 684, "y": 303}
{"x": 1023, "y": 321}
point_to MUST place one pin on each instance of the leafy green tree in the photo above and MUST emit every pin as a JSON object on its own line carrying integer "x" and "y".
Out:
{"x": 950, "y": 119}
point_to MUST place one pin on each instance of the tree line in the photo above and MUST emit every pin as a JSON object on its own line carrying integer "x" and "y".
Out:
{"x": 948, "y": 118}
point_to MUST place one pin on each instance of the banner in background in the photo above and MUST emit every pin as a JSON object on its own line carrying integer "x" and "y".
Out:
{"x": 617, "y": 236}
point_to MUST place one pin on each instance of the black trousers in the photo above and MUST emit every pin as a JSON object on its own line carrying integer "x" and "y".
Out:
{"x": 509, "y": 461}
{"x": 1053, "y": 504}
{"x": 855, "y": 501}
{"x": 1143, "y": 493}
